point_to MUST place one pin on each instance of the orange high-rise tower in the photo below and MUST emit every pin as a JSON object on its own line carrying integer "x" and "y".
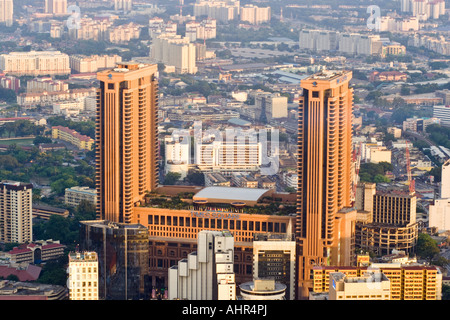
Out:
{"x": 324, "y": 175}
{"x": 127, "y": 147}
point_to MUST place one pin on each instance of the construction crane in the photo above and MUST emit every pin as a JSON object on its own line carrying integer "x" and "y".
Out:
{"x": 411, "y": 182}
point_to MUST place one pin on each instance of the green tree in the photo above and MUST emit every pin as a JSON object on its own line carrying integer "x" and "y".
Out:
{"x": 85, "y": 211}
{"x": 427, "y": 247}
{"x": 171, "y": 178}
{"x": 445, "y": 292}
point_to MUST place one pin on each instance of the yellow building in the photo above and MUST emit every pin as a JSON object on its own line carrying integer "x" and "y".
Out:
{"x": 73, "y": 137}
{"x": 370, "y": 286}
{"x": 412, "y": 282}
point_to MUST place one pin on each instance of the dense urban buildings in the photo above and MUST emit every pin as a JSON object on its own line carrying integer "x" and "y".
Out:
{"x": 324, "y": 175}
{"x": 126, "y": 139}
{"x": 225, "y": 149}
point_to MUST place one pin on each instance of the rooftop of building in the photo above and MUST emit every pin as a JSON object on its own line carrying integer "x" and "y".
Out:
{"x": 226, "y": 199}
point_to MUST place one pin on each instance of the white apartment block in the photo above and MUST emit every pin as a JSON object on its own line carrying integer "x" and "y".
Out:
{"x": 392, "y": 24}
{"x": 105, "y": 30}
{"x": 228, "y": 156}
{"x": 83, "y": 276}
{"x": 201, "y": 30}
{"x": 49, "y": 98}
{"x": 35, "y": 63}
{"x": 221, "y": 10}
{"x": 439, "y": 215}
{"x": 274, "y": 105}
{"x": 16, "y": 212}
{"x": 176, "y": 51}
{"x": 123, "y": 5}
{"x": 438, "y": 44}
{"x": 73, "y": 196}
{"x": 6, "y": 12}
{"x": 177, "y": 155}
{"x": 157, "y": 26}
{"x": 206, "y": 274}
{"x": 56, "y": 7}
{"x": 91, "y": 64}
{"x": 46, "y": 84}
{"x": 442, "y": 113}
{"x": 69, "y": 108}
{"x": 350, "y": 43}
{"x": 423, "y": 9}
{"x": 370, "y": 286}
{"x": 254, "y": 14}
{"x": 439, "y": 212}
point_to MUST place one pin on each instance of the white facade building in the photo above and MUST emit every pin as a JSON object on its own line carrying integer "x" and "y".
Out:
{"x": 208, "y": 273}
{"x": 232, "y": 156}
{"x": 439, "y": 212}
{"x": 176, "y": 51}
{"x": 6, "y": 12}
{"x": 83, "y": 276}
{"x": 442, "y": 113}
{"x": 177, "y": 155}
{"x": 35, "y": 63}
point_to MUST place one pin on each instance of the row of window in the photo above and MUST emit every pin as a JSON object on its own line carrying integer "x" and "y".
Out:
{"x": 217, "y": 223}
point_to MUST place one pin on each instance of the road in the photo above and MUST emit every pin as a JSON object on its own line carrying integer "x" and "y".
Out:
{"x": 420, "y": 137}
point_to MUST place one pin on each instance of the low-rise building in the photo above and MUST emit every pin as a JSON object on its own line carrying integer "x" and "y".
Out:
{"x": 80, "y": 141}
{"x": 73, "y": 196}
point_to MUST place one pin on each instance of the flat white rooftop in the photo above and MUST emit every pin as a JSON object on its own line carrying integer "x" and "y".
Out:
{"x": 230, "y": 194}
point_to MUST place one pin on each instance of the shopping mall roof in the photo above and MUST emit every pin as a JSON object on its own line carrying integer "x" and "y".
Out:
{"x": 247, "y": 196}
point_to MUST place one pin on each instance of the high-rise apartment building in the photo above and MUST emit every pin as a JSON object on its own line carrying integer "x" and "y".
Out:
{"x": 324, "y": 175}
{"x": 123, "y": 5}
{"x": 123, "y": 258}
{"x": 221, "y": 10}
{"x": 254, "y": 14}
{"x": 16, "y": 212}
{"x": 83, "y": 276}
{"x": 55, "y": 6}
{"x": 35, "y": 63}
{"x": 439, "y": 211}
{"x": 272, "y": 106}
{"x": 208, "y": 273}
{"x": 6, "y": 12}
{"x": 126, "y": 138}
{"x": 386, "y": 219}
{"x": 174, "y": 50}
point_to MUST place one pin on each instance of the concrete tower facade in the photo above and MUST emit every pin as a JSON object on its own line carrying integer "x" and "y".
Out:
{"x": 127, "y": 139}
{"x": 324, "y": 174}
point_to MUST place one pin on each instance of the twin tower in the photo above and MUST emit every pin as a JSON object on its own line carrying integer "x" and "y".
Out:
{"x": 127, "y": 154}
